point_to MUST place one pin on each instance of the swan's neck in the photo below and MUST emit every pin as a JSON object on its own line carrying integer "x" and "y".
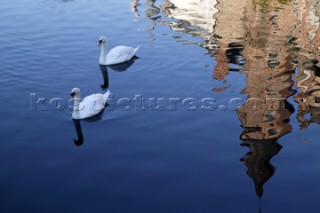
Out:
{"x": 103, "y": 54}
{"x": 76, "y": 109}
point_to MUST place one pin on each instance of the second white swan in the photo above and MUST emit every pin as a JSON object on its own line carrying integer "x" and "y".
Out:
{"x": 116, "y": 55}
{"x": 90, "y": 106}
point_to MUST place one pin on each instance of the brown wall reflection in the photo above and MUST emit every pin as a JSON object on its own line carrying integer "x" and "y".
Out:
{"x": 269, "y": 68}
{"x": 307, "y": 40}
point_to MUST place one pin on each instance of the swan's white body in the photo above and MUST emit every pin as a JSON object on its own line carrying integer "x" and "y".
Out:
{"x": 90, "y": 106}
{"x": 116, "y": 55}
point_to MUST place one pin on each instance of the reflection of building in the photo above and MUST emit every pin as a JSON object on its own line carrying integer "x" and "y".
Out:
{"x": 260, "y": 32}
{"x": 269, "y": 69}
{"x": 230, "y": 33}
{"x": 307, "y": 58}
{"x": 221, "y": 32}
{"x": 198, "y": 13}
{"x": 267, "y": 41}
{"x": 151, "y": 14}
{"x": 219, "y": 26}
{"x": 195, "y": 17}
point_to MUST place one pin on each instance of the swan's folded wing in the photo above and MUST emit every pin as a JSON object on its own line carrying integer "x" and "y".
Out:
{"x": 91, "y": 105}
{"x": 120, "y": 54}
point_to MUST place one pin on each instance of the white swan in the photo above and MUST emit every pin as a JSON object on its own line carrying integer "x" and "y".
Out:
{"x": 116, "y": 55}
{"x": 89, "y": 106}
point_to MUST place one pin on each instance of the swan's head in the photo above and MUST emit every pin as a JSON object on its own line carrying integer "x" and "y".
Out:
{"x": 74, "y": 92}
{"x": 102, "y": 40}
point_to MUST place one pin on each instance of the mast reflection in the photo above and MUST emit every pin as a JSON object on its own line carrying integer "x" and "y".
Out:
{"x": 123, "y": 66}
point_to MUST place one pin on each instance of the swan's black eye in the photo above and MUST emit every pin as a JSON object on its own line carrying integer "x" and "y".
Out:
{"x": 100, "y": 41}
{"x": 72, "y": 94}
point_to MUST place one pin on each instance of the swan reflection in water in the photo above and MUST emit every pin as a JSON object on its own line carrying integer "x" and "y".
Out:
{"x": 77, "y": 122}
{"x": 104, "y": 72}
{"x": 123, "y": 66}
{"x": 117, "y": 67}
{"x": 77, "y": 125}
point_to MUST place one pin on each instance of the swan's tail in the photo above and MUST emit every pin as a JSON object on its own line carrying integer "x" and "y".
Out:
{"x": 135, "y": 50}
{"x": 106, "y": 96}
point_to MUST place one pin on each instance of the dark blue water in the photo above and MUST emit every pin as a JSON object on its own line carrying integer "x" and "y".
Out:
{"x": 166, "y": 158}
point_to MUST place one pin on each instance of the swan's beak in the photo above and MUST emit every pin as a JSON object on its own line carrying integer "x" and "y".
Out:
{"x": 72, "y": 95}
{"x": 99, "y": 44}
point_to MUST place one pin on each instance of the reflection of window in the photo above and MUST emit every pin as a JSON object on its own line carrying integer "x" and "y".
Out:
{"x": 272, "y": 132}
{"x": 317, "y": 71}
{"x": 234, "y": 54}
{"x": 268, "y": 117}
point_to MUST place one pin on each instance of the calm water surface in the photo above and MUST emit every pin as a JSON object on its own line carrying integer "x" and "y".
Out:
{"x": 253, "y": 67}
